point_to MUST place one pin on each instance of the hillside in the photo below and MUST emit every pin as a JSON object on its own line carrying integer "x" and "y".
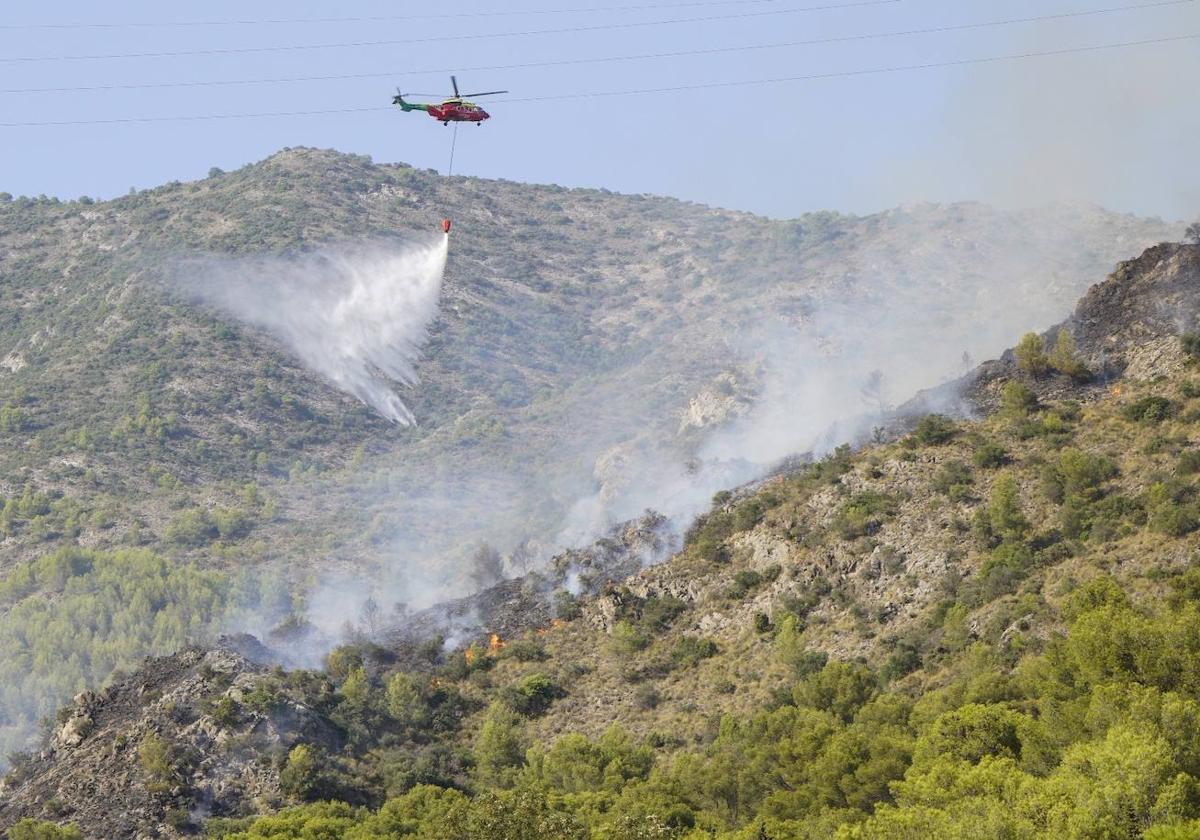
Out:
{"x": 573, "y": 322}
{"x": 168, "y": 473}
{"x": 986, "y": 628}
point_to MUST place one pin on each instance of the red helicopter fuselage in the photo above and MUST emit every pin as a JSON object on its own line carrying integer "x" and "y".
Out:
{"x": 457, "y": 111}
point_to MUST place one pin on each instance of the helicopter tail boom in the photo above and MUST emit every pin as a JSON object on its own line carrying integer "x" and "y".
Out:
{"x": 398, "y": 99}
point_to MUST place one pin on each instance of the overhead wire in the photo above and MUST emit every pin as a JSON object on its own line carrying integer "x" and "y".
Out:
{"x": 446, "y": 38}
{"x": 645, "y": 91}
{"x": 850, "y": 73}
{"x": 621, "y": 58}
{"x": 576, "y": 10}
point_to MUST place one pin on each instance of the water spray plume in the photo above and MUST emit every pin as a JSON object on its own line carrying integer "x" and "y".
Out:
{"x": 356, "y": 315}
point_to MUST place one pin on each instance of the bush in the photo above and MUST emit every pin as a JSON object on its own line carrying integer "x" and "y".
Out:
{"x": 626, "y": 639}
{"x": 566, "y": 606}
{"x": 232, "y": 523}
{"x": 1064, "y": 359}
{"x": 1082, "y": 473}
{"x": 989, "y": 456}
{"x": 748, "y": 579}
{"x": 646, "y": 697}
{"x": 307, "y": 775}
{"x": 155, "y": 759}
{"x": 934, "y": 430}
{"x": 1017, "y": 401}
{"x": 659, "y": 613}
{"x": 1149, "y": 410}
{"x": 225, "y": 712}
{"x": 761, "y": 623}
{"x": 841, "y": 688}
{"x": 531, "y": 695}
{"x": 690, "y": 650}
{"x": 192, "y": 528}
{"x": 1189, "y": 463}
{"x": 1190, "y": 344}
{"x": 1173, "y": 519}
{"x": 791, "y": 650}
{"x": 864, "y": 514}
{"x": 904, "y": 660}
{"x": 1004, "y": 514}
{"x": 1030, "y": 354}
{"x": 525, "y": 650}
{"x": 29, "y": 829}
{"x": 953, "y": 480}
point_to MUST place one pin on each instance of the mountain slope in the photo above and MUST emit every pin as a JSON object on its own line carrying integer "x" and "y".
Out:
{"x": 595, "y": 354}
{"x": 987, "y": 628}
{"x": 573, "y": 321}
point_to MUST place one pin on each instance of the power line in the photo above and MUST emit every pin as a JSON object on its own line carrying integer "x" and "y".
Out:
{"x": 383, "y": 18}
{"x": 849, "y": 73}
{"x": 611, "y": 59}
{"x": 643, "y": 91}
{"x": 442, "y": 38}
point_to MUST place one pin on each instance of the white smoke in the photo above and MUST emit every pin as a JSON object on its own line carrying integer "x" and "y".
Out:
{"x": 357, "y": 315}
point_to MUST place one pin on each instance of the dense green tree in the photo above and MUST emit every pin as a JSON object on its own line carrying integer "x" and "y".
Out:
{"x": 39, "y": 830}
{"x": 500, "y": 746}
{"x": 1030, "y": 354}
{"x": 1004, "y": 509}
{"x": 1064, "y": 358}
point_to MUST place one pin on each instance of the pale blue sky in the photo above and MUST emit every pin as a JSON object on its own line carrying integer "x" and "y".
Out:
{"x": 1115, "y": 127}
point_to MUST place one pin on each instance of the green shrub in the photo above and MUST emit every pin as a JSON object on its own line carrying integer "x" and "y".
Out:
{"x": 566, "y": 606}
{"x": 1190, "y": 344}
{"x": 157, "y": 763}
{"x": 307, "y": 775}
{"x": 232, "y": 523}
{"x": 954, "y": 480}
{"x": 1005, "y": 517}
{"x": 1064, "y": 359}
{"x": 989, "y": 456}
{"x": 525, "y": 650}
{"x": 30, "y": 829}
{"x": 864, "y": 514}
{"x": 657, "y": 613}
{"x": 1083, "y": 473}
{"x": 934, "y": 430}
{"x": 840, "y": 688}
{"x": 690, "y": 650}
{"x": 1149, "y": 410}
{"x": 1030, "y": 354}
{"x": 626, "y": 639}
{"x": 532, "y": 694}
{"x": 1017, "y": 400}
{"x": 743, "y": 582}
{"x": 646, "y": 697}
{"x": 192, "y": 528}
{"x": 1189, "y": 462}
{"x": 225, "y": 712}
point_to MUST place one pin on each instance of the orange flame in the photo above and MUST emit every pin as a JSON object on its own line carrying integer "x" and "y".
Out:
{"x": 1117, "y": 390}
{"x": 557, "y": 623}
{"x": 469, "y": 655}
{"x": 495, "y": 644}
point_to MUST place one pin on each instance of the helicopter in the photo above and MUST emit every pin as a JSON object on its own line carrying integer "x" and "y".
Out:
{"x": 454, "y": 109}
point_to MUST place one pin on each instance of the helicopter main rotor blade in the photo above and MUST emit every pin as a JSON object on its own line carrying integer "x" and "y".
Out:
{"x": 485, "y": 93}
{"x": 454, "y": 83}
